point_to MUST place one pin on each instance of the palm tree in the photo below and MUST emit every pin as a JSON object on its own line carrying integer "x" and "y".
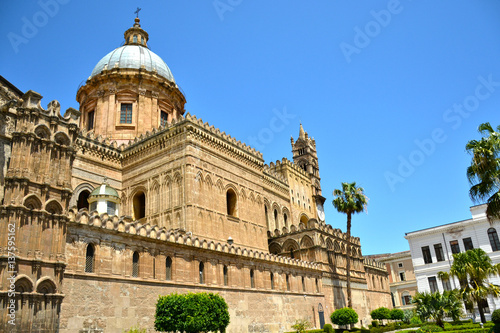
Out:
{"x": 437, "y": 306}
{"x": 484, "y": 171}
{"x": 349, "y": 200}
{"x": 472, "y": 269}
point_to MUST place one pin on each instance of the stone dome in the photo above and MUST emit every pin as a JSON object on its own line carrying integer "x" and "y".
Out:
{"x": 135, "y": 57}
{"x": 135, "y": 54}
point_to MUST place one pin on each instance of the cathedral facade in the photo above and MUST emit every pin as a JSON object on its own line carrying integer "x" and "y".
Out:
{"x": 129, "y": 197}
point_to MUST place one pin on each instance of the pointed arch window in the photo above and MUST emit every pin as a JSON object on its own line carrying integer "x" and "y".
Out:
{"x": 168, "y": 266}
{"x": 225, "y": 271}
{"x": 201, "y": 272}
{"x": 139, "y": 202}
{"x": 494, "y": 242}
{"x": 231, "y": 202}
{"x": 276, "y": 219}
{"x": 89, "y": 259}
{"x": 287, "y": 283}
{"x": 83, "y": 200}
{"x": 267, "y": 217}
{"x": 272, "y": 281}
{"x": 252, "y": 279}
{"x": 135, "y": 264}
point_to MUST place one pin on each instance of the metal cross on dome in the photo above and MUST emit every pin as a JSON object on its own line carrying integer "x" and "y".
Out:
{"x": 137, "y": 11}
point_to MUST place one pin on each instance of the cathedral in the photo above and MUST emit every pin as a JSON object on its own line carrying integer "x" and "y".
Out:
{"x": 129, "y": 197}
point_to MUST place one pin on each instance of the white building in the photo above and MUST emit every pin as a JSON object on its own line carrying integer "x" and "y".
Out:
{"x": 431, "y": 250}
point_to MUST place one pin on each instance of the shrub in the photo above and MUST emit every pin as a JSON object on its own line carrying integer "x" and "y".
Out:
{"x": 328, "y": 328}
{"x": 346, "y": 332}
{"x": 381, "y": 313}
{"x": 374, "y": 323}
{"x": 415, "y": 320}
{"x": 344, "y": 316}
{"x": 301, "y": 325}
{"x": 495, "y": 316}
{"x": 191, "y": 313}
{"x": 135, "y": 329}
{"x": 429, "y": 329}
{"x": 397, "y": 314}
{"x": 408, "y": 314}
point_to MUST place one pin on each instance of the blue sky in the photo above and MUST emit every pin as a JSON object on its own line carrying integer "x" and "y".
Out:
{"x": 391, "y": 90}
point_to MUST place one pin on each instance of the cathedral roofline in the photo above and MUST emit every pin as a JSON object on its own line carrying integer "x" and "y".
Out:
{"x": 124, "y": 225}
{"x": 12, "y": 87}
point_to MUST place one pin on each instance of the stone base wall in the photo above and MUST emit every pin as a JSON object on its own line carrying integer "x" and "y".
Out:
{"x": 94, "y": 304}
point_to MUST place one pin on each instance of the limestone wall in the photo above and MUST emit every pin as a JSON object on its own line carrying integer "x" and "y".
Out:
{"x": 115, "y": 305}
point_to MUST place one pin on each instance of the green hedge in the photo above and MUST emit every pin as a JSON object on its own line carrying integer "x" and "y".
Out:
{"x": 468, "y": 326}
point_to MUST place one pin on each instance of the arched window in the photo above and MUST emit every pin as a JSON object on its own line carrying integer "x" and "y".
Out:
{"x": 168, "y": 266}
{"x": 135, "y": 264}
{"x": 139, "y": 202}
{"x": 285, "y": 220}
{"x": 83, "y": 200}
{"x": 201, "y": 272}
{"x": 494, "y": 242}
{"x": 89, "y": 259}
{"x": 276, "y": 226}
{"x": 154, "y": 267}
{"x": 225, "y": 275}
{"x": 287, "y": 283}
{"x": 231, "y": 202}
{"x": 90, "y": 120}
{"x": 272, "y": 281}
{"x": 267, "y": 217}
{"x": 406, "y": 298}
{"x": 303, "y": 284}
{"x": 252, "y": 280}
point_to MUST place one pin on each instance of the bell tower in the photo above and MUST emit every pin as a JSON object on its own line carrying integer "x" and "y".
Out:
{"x": 305, "y": 156}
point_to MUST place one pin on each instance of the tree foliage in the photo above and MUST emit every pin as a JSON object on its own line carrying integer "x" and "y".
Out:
{"x": 397, "y": 314}
{"x": 301, "y": 325}
{"x": 191, "y": 313}
{"x": 472, "y": 269}
{"x": 484, "y": 170}
{"x": 349, "y": 200}
{"x": 344, "y": 316}
{"x": 381, "y": 313}
{"x": 437, "y": 306}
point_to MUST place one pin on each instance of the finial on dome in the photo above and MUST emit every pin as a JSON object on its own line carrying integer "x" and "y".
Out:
{"x": 136, "y": 35}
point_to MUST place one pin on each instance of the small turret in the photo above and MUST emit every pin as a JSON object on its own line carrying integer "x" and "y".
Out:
{"x": 104, "y": 199}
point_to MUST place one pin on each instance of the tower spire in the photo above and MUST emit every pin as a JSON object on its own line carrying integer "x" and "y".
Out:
{"x": 302, "y": 134}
